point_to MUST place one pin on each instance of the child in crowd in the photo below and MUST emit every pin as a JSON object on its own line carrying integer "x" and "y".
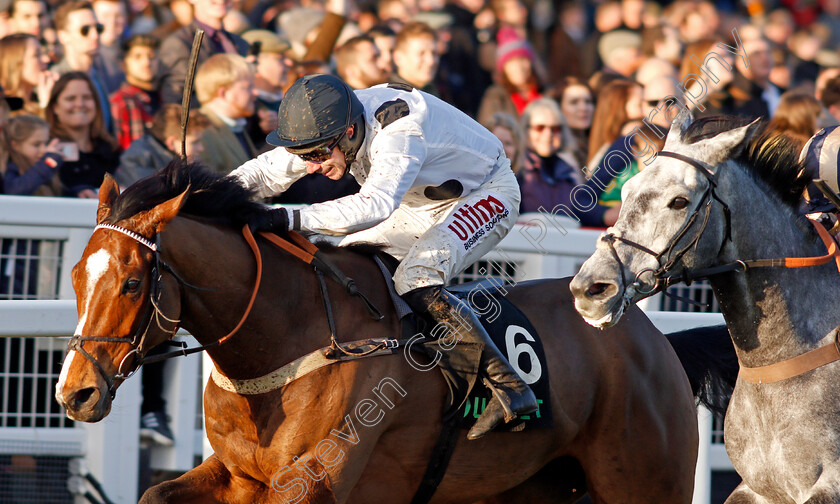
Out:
{"x": 134, "y": 104}
{"x": 33, "y": 159}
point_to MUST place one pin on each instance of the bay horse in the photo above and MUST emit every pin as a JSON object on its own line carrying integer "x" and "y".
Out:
{"x": 720, "y": 201}
{"x": 166, "y": 253}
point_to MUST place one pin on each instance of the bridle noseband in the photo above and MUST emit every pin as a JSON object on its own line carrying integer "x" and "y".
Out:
{"x": 661, "y": 276}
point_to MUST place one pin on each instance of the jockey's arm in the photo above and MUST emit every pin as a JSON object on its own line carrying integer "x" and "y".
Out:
{"x": 271, "y": 173}
{"x": 396, "y": 155}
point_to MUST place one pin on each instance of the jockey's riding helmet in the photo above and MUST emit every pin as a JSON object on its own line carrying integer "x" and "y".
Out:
{"x": 315, "y": 113}
{"x": 821, "y": 155}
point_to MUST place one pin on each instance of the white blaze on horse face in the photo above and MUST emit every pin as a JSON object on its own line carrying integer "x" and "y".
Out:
{"x": 95, "y": 267}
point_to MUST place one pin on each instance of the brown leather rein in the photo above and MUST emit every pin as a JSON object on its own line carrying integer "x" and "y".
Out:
{"x": 763, "y": 374}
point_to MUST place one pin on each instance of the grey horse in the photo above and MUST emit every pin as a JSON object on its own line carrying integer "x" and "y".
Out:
{"x": 714, "y": 196}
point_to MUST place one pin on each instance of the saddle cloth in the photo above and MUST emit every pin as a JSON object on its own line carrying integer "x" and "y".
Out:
{"x": 510, "y": 330}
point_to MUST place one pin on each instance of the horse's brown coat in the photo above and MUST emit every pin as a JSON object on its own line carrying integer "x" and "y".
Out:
{"x": 622, "y": 404}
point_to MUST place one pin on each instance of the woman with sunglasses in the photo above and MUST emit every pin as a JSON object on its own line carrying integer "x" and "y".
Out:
{"x": 550, "y": 179}
{"x": 437, "y": 193}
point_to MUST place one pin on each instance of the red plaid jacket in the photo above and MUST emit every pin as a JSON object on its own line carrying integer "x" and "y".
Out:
{"x": 133, "y": 109}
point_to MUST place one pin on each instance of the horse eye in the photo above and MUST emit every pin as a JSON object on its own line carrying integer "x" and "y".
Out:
{"x": 131, "y": 285}
{"x": 678, "y": 203}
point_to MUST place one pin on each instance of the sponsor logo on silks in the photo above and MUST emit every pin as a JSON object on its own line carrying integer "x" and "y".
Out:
{"x": 471, "y": 222}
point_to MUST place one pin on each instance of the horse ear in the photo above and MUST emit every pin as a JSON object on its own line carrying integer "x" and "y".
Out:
{"x": 678, "y": 126}
{"x": 108, "y": 192}
{"x": 153, "y": 221}
{"x": 734, "y": 141}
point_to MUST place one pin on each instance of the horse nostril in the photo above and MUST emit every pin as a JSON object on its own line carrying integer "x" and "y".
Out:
{"x": 596, "y": 289}
{"x": 81, "y": 397}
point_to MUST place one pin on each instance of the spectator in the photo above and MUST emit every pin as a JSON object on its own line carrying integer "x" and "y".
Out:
{"x": 224, "y": 85}
{"x": 796, "y": 117}
{"x": 358, "y": 63}
{"x": 507, "y": 129}
{"x": 618, "y": 112}
{"x": 825, "y": 75}
{"x": 517, "y": 83}
{"x": 663, "y": 42}
{"x": 416, "y": 57}
{"x": 385, "y": 39}
{"x": 653, "y": 68}
{"x": 830, "y": 98}
{"x": 175, "y": 50}
{"x": 6, "y": 25}
{"x": 7, "y": 105}
{"x": 78, "y": 32}
{"x": 112, "y": 14}
{"x": 272, "y": 76}
{"x": 753, "y": 95}
{"x": 161, "y": 144}
{"x": 134, "y": 104}
{"x": 75, "y": 117}
{"x": 607, "y": 19}
{"x": 549, "y": 175}
{"x": 717, "y": 73}
{"x": 663, "y": 101}
{"x": 34, "y": 159}
{"x": 577, "y": 104}
{"x": 620, "y": 50}
{"x": 23, "y": 71}
{"x": 29, "y": 16}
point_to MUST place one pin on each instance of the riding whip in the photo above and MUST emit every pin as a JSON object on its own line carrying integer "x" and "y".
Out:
{"x": 188, "y": 85}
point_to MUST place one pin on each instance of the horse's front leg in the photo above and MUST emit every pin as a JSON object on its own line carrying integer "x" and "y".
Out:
{"x": 212, "y": 482}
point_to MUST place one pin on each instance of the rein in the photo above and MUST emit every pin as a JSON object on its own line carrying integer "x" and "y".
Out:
{"x": 299, "y": 247}
{"x": 662, "y": 277}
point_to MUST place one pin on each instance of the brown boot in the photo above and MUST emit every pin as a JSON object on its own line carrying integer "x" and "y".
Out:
{"x": 511, "y": 396}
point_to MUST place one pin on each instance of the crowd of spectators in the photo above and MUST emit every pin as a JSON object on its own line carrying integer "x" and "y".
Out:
{"x": 106, "y": 78}
{"x": 95, "y": 87}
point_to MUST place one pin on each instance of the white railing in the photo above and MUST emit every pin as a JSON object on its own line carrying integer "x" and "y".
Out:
{"x": 536, "y": 248}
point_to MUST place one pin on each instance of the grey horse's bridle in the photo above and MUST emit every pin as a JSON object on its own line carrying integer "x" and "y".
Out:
{"x": 661, "y": 276}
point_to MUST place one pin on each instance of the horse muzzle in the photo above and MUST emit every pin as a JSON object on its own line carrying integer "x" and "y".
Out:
{"x": 82, "y": 393}
{"x": 599, "y": 296}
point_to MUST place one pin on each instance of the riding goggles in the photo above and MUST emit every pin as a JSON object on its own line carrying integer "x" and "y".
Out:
{"x": 318, "y": 154}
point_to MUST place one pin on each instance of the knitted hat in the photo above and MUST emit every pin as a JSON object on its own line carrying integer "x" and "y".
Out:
{"x": 511, "y": 45}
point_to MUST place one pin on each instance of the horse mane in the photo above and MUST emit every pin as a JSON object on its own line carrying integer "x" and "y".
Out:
{"x": 771, "y": 158}
{"x": 210, "y": 194}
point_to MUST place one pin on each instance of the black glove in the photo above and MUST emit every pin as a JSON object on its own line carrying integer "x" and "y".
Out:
{"x": 275, "y": 220}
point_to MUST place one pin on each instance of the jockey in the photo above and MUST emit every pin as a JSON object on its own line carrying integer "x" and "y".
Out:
{"x": 437, "y": 193}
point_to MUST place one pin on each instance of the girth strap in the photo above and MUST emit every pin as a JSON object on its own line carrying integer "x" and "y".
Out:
{"x": 789, "y": 368}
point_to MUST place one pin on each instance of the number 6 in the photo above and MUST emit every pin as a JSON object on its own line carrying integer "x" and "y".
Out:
{"x": 514, "y": 351}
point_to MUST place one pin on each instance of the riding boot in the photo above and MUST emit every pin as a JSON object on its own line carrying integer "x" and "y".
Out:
{"x": 511, "y": 396}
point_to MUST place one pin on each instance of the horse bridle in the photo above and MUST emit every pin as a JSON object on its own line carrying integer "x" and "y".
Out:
{"x": 152, "y": 313}
{"x": 662, "y": 278}
{"x": 299, "y": 246}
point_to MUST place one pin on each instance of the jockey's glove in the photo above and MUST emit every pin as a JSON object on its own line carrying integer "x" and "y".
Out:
{"x": 275, "y": 220}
